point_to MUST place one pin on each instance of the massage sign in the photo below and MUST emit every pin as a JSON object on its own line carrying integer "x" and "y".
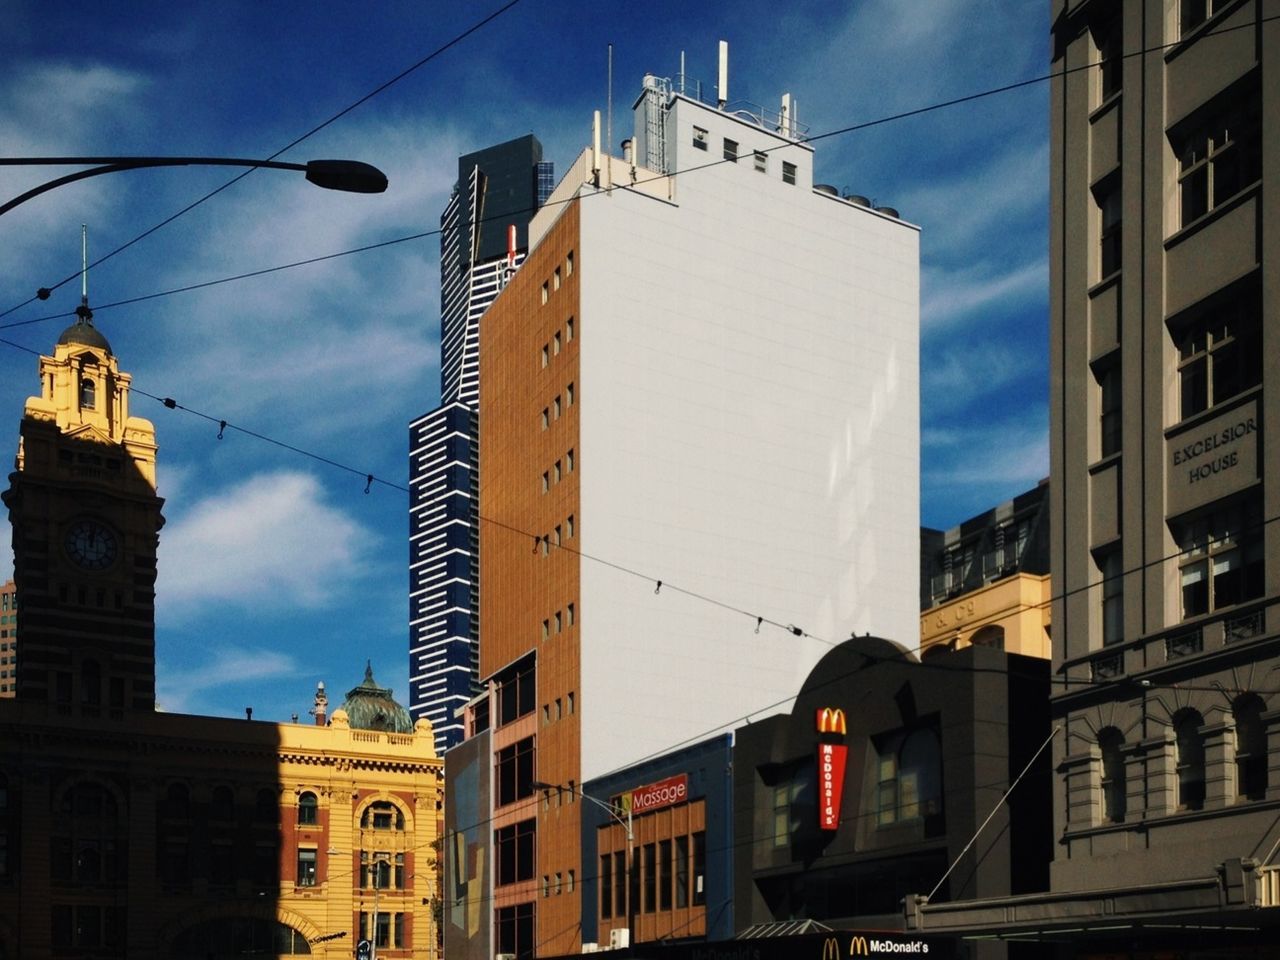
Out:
{"x": 832, "y": 754}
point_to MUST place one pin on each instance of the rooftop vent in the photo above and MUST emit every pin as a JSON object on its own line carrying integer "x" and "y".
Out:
{"x": 858, "y": 199}
{"x": 827, "y": 189}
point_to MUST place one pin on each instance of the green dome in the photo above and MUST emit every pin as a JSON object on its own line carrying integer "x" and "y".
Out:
{"x": 370, "y": 707}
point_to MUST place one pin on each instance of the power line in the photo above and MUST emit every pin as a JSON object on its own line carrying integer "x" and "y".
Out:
{"x": 840, "y": 131}
{"x": 314, "y": 130}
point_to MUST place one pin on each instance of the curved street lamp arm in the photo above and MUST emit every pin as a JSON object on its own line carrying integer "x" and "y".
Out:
{"x": 349, "y": 175}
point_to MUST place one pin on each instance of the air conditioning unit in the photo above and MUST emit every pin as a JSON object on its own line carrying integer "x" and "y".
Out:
{"x": 505, "y": 956}
{"x": 619, "y": 939}
{"x": 591, "y": 947}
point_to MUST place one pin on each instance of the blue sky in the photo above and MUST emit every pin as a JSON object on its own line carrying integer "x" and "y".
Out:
{"x": 277, "y": 570}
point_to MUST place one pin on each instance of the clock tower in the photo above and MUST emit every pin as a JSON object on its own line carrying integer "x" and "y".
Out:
{"x": 86, "y": 522}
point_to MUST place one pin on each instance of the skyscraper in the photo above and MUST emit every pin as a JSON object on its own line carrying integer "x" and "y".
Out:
{"x": 8, "y": 639}
{"x": 483, "y": 239}
{"x": 699, "y": 407}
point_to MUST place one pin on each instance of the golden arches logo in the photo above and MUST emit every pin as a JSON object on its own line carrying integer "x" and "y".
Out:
{"x": 858, "y": 947}
{"x": 831, "y": 949}
{"x": 831, "y": 720}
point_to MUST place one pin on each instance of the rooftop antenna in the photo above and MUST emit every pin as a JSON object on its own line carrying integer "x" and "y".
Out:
{"x": 83, "y": 311}
{"x": 722, "y": 88}
{"x": 608, "y": 129}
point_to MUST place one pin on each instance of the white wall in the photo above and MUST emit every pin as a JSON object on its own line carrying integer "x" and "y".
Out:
{"x": 749, "y": 431}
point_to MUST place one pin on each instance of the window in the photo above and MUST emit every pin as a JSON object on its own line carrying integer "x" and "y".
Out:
{"x": 650, "y": 862}
{"x": 682, "y": 872}
{"x": 1218, "y": 158}
{"x": 546, "y": 481}
{"x": 1219, "y": 355}
{"x": 910, "y": 776}
{"x": 555, "y": 341}
{"x": 87, "y": 394}
{"x": 571, "y": 880}
{"x": 307, "y": 808}
{"x": 568, "y": 327}
{"x": 569, "y": 460}
{"x": 555, "y": 470}
{"x": 1107, "y": 37}
{"x": 555, "y": 278}
{"x": 382, "y": 815}
{"x": 546, "y": 629}
{"x": 570, "y": 699}
{"x": 545, "y": 293}
{"x": 1107, "y": 196}
{"x": 514, "y": 771}
{"x": 1196, "y": 12}
{"x": 761, "y": 161}
{"x": 620, "y": 884}
{"x": 1114, "y": 790}
{"x": 699, "y": 867}
{"x": 559, "y": 621}
{"x": 516, "y": 693}
{"x": 1189, "y": 759}
{"x": 699, "y": 138}
{"x": 546, "y": 418}
{"x": 1251, "y": 748}
{"x": 1111, "y": 576}
{"x": 306, "y": 875}
{"x": 731, "y": 150}
{"x": 788, "y": 172}
{"x": 571, "y": 614}
{"x": 84, "y": 847}
{"x": 546, "y": 355}
{"x": 1109, "y": 408}
{"x": 1222, "y": 558}
{"x": 559, "y": 883}
{"x": 555, "y": 408}
{"x": 664, "y": 874}
{"x": 515, "y": 860}
{"x": 568, "y": 271}
{"x": 569, "y": 525}
{"x": 556, "y": 534}
{"x": 515, "y": 930}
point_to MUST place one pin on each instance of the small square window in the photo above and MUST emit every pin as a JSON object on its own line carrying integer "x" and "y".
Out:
{"x": 699, "y": 138}
{"x": 555, "y": 408}
{"x": 555, "y": 343}
{"x": 572, "y": 616}
{"x": 568, "y": 394}
{"x": 788, "y": 172}
{"x": 546, "y": 481}
{"x": 555, "y": 279}
{"x": 559, "y": 621}
{"x": 556, "y": 469}
{"x": 546, "y": 629}
{"x": 546, "y": 355}
{"x": 545, "y": 291}
{"x": 569, "y": 525}
{"x": 568, "y": 264}
{"x": 569, "y": 460}
{"x": 761, "y": 161}
{"x": 731, "y": 150}
{"x": 568, "y": 329}
{"x": 546, "y": 418}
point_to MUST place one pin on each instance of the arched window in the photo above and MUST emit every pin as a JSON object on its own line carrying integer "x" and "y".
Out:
{"x": 91, "y": 683}
{"x": 989, "y": 636}
{"x": 307, "y": 808}
{"x": 267, "y": 807}
{"x": 84, "y": 844}
{"x": 382, "y": 815}
{"x": 88, "y": 394}
{"x": 1251, "y": 748}
{"x": 177, "y": 805}
{"x": 1114, "y": 787}
{"x": 1189, "y": 745}
{"x": 222, "y": 805}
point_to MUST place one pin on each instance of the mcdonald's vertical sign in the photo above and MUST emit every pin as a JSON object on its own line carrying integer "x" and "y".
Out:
{"x": 832, "y": 754}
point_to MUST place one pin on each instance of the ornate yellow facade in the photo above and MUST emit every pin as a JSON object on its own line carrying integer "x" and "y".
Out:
{"x": 125, "y": 832}
{"x": 1012, "y": 614}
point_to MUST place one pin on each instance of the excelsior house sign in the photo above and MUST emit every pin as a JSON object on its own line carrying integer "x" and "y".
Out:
{"x": 1212, "y": 459}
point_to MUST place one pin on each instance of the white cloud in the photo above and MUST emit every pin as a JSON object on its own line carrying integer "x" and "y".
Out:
{"x": 180, "y": 690}
{"x": 268, "y": 543}
{"x": 952, "y": 295}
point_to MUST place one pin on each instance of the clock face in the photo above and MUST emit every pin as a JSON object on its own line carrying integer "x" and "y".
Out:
{"x": 91, "y": 545}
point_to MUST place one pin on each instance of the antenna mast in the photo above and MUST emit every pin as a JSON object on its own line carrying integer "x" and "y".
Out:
{"x": 83, "y": 311}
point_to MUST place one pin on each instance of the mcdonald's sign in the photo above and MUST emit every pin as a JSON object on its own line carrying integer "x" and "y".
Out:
{"x": 831, "y": 762}
{"x": 831, "y": 949}
{"x": 858, "y": 947}
{"x": 831, "y": 720}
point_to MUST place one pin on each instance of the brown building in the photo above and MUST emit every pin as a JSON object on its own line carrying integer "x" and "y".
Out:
{"x": 125, "y": 832}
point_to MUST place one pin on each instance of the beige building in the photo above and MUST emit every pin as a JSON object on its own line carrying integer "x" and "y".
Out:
{"x": 125, "y": 832}
{"x": 985, "y": 582}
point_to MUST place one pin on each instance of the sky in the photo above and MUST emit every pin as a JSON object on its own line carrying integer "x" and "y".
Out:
{"x": 277, "y": 569}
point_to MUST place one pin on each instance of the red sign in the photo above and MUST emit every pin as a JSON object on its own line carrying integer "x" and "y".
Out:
{"x": 655, "y": 796}
{"x": 831, "y": 759}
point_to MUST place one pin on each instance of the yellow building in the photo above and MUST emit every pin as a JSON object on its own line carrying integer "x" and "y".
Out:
{"x": 986, "y": 581}
{"x": 125, "y": 832}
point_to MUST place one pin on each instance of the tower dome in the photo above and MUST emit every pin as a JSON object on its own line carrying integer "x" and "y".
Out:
{"x": 84, "y": 332}
{"x": 371, "y": 707}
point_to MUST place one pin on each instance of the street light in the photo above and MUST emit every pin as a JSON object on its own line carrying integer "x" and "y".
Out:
{"x": 617, "y": 818}
{"x": 351, "y": 176}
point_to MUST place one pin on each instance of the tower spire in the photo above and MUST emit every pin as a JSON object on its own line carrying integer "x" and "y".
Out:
{"x": 83, "y": 311}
